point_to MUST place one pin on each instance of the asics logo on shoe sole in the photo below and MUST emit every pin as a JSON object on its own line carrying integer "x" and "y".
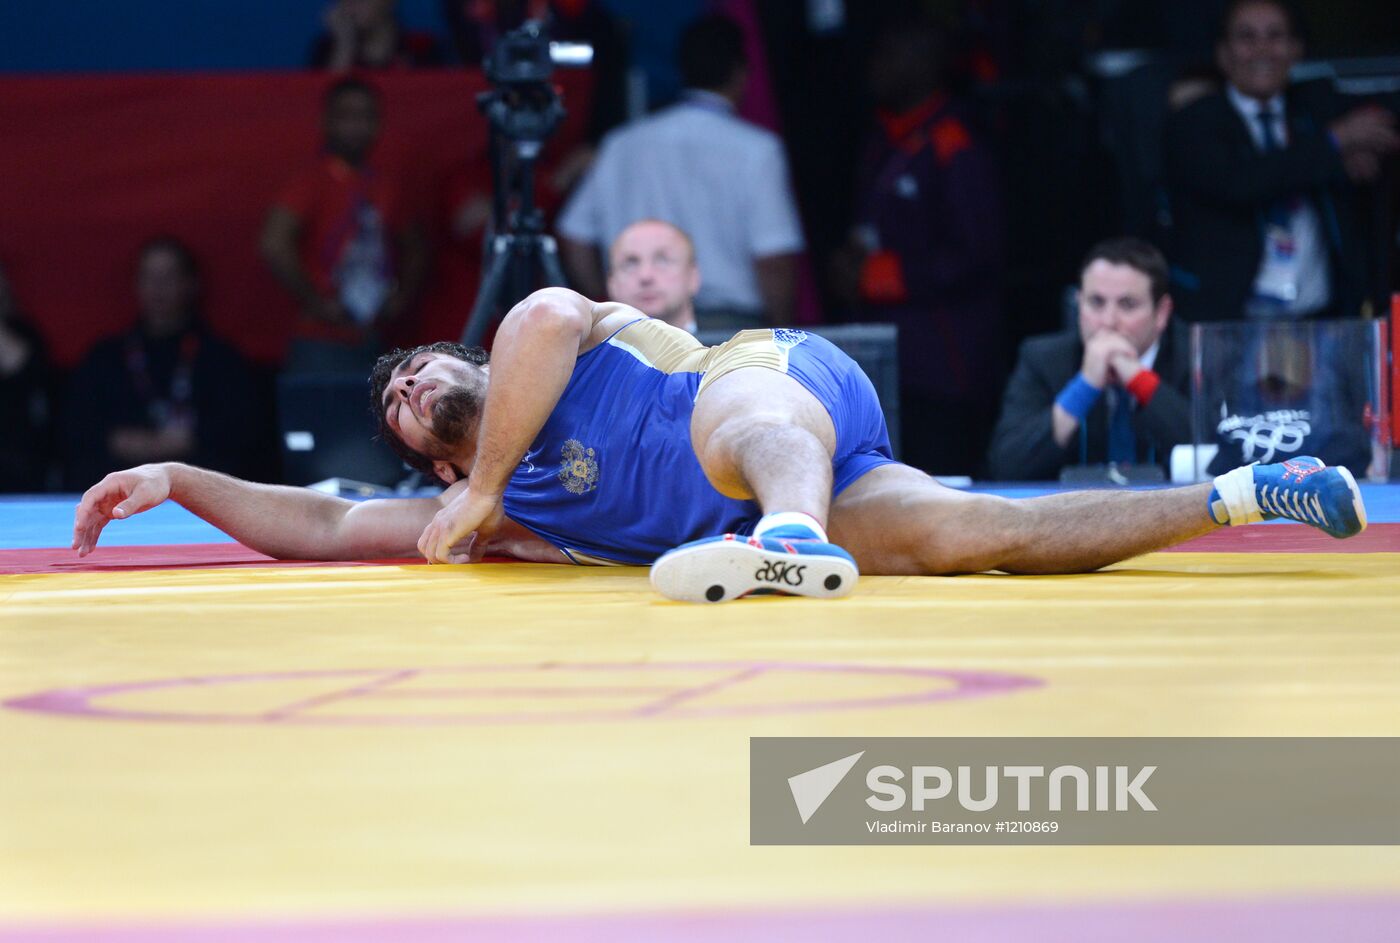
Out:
{"x": 783, "y": 574}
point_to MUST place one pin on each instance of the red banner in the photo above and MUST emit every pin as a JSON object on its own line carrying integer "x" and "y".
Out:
{"x": 94, "y": 166}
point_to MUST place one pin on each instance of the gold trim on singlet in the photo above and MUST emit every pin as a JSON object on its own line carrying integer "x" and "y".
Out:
{"x": 755, "y": 348}
{"x": 672, "y": 350}
{"x": 660, "y": 345}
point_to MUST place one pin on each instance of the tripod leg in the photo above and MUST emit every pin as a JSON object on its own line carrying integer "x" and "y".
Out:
{"x": 488, "y": 296}
{"x": 549, "y": 262}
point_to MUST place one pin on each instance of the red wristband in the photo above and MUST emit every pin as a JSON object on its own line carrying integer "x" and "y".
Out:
{"x": 1144, "y": 385}
{"x": 882, "y": 279}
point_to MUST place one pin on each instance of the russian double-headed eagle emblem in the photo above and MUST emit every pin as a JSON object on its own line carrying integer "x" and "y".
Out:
{"x": 578, "y": 469}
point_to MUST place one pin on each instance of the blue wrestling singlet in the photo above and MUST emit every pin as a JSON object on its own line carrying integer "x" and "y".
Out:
{"x": 612, "y": 478}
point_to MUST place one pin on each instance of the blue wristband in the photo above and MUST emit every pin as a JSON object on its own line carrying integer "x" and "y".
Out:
{"x": 1078, "y": 397}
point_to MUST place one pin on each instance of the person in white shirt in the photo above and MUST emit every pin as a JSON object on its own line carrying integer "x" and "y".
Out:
{"x": 699, "y": 166}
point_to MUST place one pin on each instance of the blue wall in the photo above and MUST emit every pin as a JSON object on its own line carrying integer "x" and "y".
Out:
{"x": 143, "y": 35}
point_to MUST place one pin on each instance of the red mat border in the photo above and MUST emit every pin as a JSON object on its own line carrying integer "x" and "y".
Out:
{"x": 1273, "y": 538}
{"x": 1292, "y": 538}
{"x": 170, "y": 557}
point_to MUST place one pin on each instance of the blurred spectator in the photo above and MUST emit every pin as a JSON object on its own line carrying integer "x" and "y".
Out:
{"x": 342, "y": 240}
{"x": 926, "y": 251}
{"x": 25, "y": 397}
{"x": 700, "y": 167}
{"x": 651, "y": 266}
{"x": 366, "y": 34}
{"x": 1261, "y": 179}
{"x": 167, "y": 389}
{"x": 1116, "y": 390}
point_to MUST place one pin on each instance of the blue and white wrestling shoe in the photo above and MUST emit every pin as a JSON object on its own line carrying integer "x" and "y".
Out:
{"x": 1301, "y": 489}
{"x": 791, "y": 559}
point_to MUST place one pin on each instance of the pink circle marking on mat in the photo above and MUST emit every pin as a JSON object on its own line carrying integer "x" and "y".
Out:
{"x": 646, "y": 700}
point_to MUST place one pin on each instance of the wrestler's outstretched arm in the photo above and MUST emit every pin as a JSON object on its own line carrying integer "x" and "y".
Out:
{"x": 531, "y": 362}
{"x": 283, "y": 522}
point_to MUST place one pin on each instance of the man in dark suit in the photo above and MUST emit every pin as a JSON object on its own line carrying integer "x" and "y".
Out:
{"x": 1262, "y": 178}
{"x": 1115, "y": 390}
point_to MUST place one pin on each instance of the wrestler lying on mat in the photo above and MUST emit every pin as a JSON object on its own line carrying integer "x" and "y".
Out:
{"x": 599, "y": 435}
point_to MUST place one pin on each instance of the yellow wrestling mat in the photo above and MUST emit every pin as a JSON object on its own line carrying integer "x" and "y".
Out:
{"x": 523, "y": 739}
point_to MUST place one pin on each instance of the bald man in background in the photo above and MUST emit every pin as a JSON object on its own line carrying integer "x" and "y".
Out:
{"x": 651, "y": 266}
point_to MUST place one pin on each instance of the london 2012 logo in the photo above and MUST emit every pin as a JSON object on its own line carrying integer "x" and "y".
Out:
{"x": 578, "y": 468}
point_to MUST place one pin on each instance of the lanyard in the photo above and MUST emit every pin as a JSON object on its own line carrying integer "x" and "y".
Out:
{"x": 162, "y": 407}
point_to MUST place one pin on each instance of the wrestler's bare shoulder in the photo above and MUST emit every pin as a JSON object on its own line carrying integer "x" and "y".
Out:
{"x": 605, "y": 317}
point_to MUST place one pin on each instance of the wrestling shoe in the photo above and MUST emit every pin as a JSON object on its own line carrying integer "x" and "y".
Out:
{"x": 1301, "y": 489}
{"x": 792, "y": 560}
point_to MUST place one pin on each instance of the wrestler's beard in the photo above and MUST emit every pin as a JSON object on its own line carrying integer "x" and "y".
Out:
{"x": 455, "y": 415}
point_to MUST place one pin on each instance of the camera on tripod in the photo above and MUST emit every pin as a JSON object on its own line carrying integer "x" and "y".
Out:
{"x": 522, "y": 110}
{"x": 523, "y": 105}
{"x": 527, "y": 55}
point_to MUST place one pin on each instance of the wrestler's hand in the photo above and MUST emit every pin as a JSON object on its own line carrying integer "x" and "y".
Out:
{"x": 470, "y": 513}
{"x": 119, "y": 495}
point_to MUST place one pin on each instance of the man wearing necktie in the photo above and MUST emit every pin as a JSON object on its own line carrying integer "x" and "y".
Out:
{"x": 1112, "y": 391}
{"x": 1262, "y": 179}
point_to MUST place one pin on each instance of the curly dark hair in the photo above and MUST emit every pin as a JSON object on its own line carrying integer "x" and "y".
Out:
{"x": 384, "y": 368}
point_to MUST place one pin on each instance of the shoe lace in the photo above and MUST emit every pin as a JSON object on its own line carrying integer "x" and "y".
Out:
{"x": 1291, "y": 503}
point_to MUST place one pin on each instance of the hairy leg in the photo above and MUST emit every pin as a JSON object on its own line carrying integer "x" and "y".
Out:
{"x": 759, "y": 434}
{"x": 897, "y": 520}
